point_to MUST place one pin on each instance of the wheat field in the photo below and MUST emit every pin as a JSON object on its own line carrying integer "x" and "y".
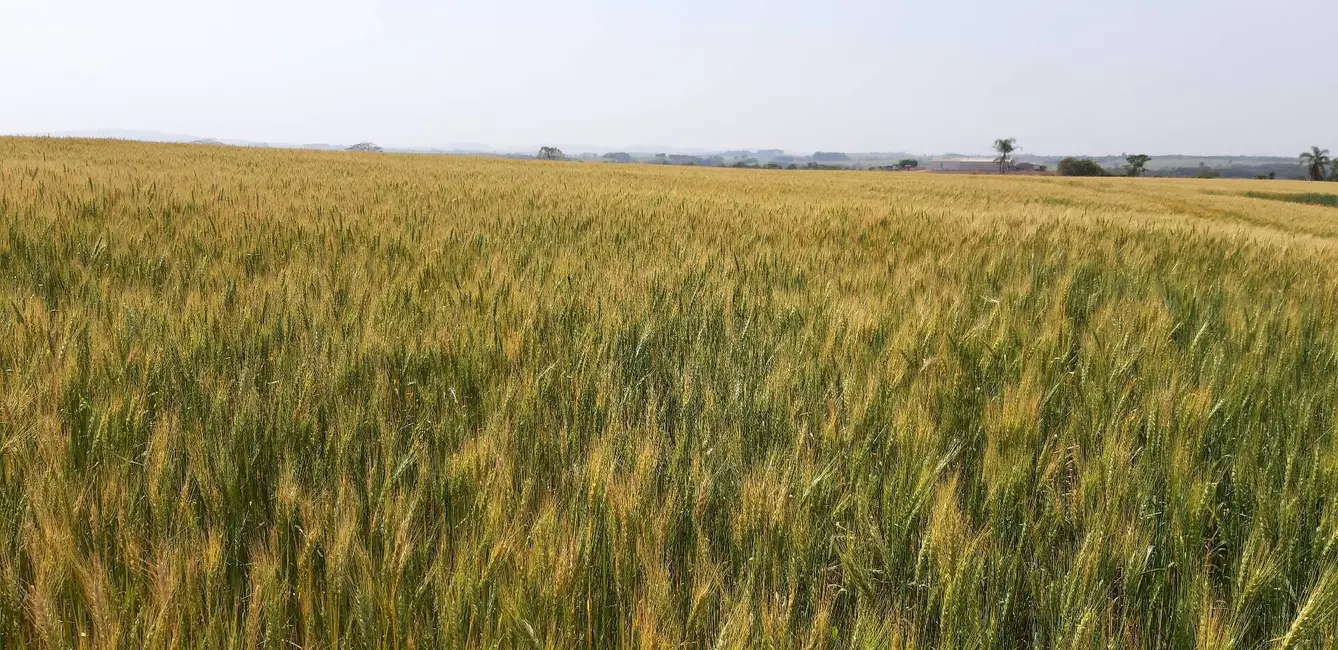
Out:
{"x": 274, "y": 399}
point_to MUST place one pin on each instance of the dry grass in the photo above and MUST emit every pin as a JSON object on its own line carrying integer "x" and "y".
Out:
{"x": 271, "y": 399}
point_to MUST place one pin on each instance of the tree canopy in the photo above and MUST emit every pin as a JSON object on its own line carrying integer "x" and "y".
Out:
{"x": 1072, "y": 166}
{"x": 1137, "y": 164}
{"x": 1005, "y": 147}
{"x": 1315, "y": 161}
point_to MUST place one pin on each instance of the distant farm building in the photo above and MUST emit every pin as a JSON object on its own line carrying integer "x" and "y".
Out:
{"x": 964, "y": 165}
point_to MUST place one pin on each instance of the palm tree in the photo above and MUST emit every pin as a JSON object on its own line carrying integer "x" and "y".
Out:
{"x": 1005, "y": 147}
{"x": 1315, "y": 161}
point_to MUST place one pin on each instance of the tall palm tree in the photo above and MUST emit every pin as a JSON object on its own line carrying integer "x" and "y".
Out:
{"x": 1315, "y": 161}
{"x": 1005, "y": 147}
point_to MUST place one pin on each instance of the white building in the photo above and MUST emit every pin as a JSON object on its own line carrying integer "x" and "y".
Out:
{"x": 964, "y": 165}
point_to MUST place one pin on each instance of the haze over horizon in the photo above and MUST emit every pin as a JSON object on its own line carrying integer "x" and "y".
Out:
{"x": 1174, "y": 77}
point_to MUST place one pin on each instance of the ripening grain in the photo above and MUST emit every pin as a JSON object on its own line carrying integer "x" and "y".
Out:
{"x": 272, "y": 399}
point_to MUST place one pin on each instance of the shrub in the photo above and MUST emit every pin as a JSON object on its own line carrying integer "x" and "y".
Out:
{"x": 1072, "y": 166}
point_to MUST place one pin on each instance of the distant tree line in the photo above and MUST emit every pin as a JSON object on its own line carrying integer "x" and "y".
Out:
{"x": 1317, "y": 164}
{"x": 742, "y": 159}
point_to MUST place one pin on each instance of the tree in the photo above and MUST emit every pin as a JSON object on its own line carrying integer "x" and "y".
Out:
{"x": 550, "y": 153}
{"x": 1315, "y": 161}
{"x": 1333, "y": 175}
{"x": 1080, "y": 167}
{"x": 909, "y": 163}
{"x": 1005, "y": 147}
{"x": 1137, "y": 164}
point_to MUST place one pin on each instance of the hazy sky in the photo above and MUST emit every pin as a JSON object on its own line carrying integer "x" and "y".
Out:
{"x": 926, "y": 76}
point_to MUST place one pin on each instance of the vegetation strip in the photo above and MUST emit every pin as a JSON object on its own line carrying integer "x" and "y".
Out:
{"x": 1311, "y": 198}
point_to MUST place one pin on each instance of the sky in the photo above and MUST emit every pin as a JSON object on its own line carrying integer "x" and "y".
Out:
{"x": 1242, "y": 77}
